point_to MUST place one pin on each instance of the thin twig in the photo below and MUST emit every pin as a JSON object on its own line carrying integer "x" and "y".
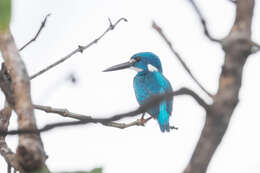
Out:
{"x": 160, "y": 31}
{"x": 203, "y": 22}
{"x": 62, "y": 112}
{"x": 143, "y": 108}
{"x": 37, "y": 34}
{"x": 67, "y": 113}
{"x": 79, "y": 49}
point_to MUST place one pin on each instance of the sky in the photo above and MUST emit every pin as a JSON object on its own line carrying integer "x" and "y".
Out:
{"x": 98, "y": 94}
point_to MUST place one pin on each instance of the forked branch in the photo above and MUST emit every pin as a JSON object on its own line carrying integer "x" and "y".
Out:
{"x": 177, "y": 55}
{"x": 80, "y": 48}
{"x": 29, "y": 145}
{"x": 230, "y": 81}
{"x": 87, "y": 119}
{"x": 204, "y": 23}
{"x": 67, "y": 113}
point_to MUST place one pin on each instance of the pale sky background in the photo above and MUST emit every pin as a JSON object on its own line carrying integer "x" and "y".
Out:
{"x": 136, "y": 149}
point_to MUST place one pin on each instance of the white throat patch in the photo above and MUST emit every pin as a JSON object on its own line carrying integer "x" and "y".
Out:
{"x": 136, "y": 69}
{"x": 151, "y": 68}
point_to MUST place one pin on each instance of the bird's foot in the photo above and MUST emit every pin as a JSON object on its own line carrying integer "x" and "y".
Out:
{"x": 142, "y": 121}
{"x": 173, "y": 127}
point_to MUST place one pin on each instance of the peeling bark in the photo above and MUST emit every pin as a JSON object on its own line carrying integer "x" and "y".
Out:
{"x": 30, "y": 153}
{"x": 237, "y": 48}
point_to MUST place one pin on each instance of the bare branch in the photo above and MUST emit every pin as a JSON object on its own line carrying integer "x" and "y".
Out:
{"x": 237, "y": 48}
{"x": 62, "y": 112}
{"x": 79, "y": 49}
{"x": 30, "y": 144}
{"x": 87, "y": 119}
{"x": 66, "y": 113}
{"x": 203, "y": 22}
{"x": 137, "y": 122}
{"x": 37, "y": 34}
{"x": 160, "y": 31}
{"x": 5, "y": 151}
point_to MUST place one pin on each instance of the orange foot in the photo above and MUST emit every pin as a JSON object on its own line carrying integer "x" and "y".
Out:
{"x": 142, "y": 121}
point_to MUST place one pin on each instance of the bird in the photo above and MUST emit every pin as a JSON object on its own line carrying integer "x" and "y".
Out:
{"x": 148, "y": 82}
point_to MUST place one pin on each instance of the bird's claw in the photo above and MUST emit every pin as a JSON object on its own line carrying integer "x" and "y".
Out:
{"x": 173, "y": 127}
{"x": 142, "y": 121}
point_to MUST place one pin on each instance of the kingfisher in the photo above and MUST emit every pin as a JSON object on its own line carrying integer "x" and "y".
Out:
{"x": 148, "y": 82}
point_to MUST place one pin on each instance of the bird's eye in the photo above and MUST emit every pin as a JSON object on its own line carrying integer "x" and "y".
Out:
{"x": 137, "y": 59}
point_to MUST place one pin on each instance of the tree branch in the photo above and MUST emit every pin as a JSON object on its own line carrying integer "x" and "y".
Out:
{"x": 79, "y": 49}
{"x": 67, "y": 113}
{"x": 137, "y": 122}
{"x": 87, "y": 119}
{"x": 160, "y": 31}
{"x": 237, "y": 48}
{"x": 30, "y": 145}
{"x": 5, "y": 151}
{"x": 37, "y": 34}
{"x": 204, "y": 23}
{"x": 62, "y": 112}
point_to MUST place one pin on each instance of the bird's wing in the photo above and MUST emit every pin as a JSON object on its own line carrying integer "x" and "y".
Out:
{"x": 166, "y": 87}
{"x": 152, "y": 84}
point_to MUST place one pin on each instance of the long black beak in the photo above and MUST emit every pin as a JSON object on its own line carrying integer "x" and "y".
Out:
{"x": 120, "y": 66}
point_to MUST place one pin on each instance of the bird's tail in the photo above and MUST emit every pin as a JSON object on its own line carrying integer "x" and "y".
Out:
{"x": 163, "y": 118}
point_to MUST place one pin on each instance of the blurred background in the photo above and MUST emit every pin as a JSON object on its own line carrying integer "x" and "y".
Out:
{"x": 98, "y": 94}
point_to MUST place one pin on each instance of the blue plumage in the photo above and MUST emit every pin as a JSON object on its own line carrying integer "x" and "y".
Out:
{"x": 148, "y": 82}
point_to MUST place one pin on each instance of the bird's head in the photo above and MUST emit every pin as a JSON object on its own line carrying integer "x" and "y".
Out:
{"x": 141, "y": 62}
